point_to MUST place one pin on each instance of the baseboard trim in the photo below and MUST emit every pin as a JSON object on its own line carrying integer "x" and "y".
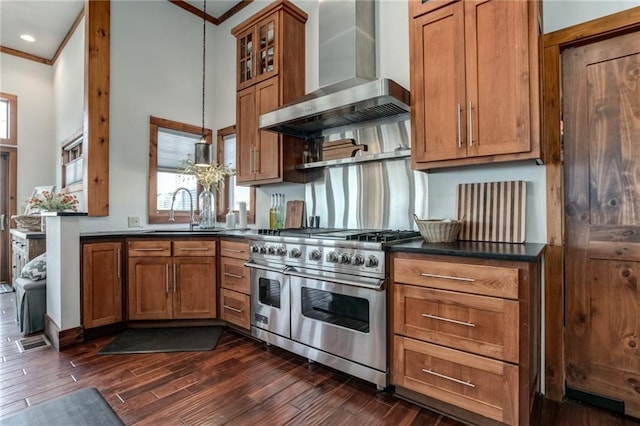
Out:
{"x": 61, "y": 339}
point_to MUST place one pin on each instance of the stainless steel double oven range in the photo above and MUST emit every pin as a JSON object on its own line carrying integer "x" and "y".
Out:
{"x": 322, "y": 293}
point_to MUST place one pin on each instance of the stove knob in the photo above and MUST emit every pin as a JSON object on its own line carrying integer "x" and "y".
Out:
{"x": 371, "y": 262}
{"x": 357, "y": 260}
{"x": 295, "y": 253}
{"x": 345, "y": 258}
{"x": 263, "y": 250}
{"x": 255, "y": 248}
{"x": 281, "y": 251}
{"x": 315, "y": 255}
{"x": 332, "y": 257}
{"x": 272, "y": 250}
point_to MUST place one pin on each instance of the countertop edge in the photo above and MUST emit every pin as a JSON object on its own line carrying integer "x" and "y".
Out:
{"x": 525, "y": 252}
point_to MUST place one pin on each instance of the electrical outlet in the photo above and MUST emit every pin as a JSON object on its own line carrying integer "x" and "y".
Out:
{"x": 134, "y": 222}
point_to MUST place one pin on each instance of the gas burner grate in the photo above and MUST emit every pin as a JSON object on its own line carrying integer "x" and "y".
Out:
{"x": 383, "y": 236}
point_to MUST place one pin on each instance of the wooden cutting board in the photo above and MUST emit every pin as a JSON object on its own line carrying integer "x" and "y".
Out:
{"x": 295, "y": 214}
{"x": 342, "y": 148}
{"x": 492, "y": 211}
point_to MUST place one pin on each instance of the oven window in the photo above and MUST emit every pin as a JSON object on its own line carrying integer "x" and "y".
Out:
{"x": 345, "y": 311}
{"x": 269, "y": 292}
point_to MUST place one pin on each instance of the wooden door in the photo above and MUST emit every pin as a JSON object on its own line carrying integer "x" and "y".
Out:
{"x": 5, "y": 241}
{"x": 194, "y": 287}
{"x": 268, "y": 143}
{"x": 246, "y": 135}
{"x": 101, "y": 284}
{"x": 601, "y": 88}
{"x": 150, "y": 288}
{"x": 497, "y": 77}
{"x": 438, "y": 86}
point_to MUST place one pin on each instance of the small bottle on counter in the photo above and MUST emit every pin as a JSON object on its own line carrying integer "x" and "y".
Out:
{"x": 280, "y": 211}
{"x": 231, "y": 220}
{"x": 273, "y": 213}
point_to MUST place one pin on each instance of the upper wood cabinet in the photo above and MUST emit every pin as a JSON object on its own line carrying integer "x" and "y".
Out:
{"x": 474, "y": 82}
{"x": 270, "y": 72}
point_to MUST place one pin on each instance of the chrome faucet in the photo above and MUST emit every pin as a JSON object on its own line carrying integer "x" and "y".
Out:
{"x": 192, "y": 220}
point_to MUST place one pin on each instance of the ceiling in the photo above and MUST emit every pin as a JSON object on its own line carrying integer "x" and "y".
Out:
{"x": 49, "y": 21}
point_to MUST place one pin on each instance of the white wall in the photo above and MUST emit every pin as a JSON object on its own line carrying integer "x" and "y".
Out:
{"x": 156, "y": 69}
{"x": 32, "y": 82}
{"x": 560, "y": 14}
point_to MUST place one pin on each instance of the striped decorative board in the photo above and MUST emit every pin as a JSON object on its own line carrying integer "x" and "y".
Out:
{"x": 492, "y": 211}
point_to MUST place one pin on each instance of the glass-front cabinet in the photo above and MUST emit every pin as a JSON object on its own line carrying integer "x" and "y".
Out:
{"x": 257, "y": 50}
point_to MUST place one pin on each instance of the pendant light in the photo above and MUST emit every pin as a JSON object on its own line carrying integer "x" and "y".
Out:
{"x": 203, "y": 149}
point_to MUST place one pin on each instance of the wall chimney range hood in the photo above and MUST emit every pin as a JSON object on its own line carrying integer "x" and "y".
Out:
{"x": 350, "y": 93}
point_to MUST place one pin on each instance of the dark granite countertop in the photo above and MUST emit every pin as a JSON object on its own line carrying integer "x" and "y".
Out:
{"x": 155, "y": 233}
{"x": 28, "y": 235}
{"x": 526, "y": 252}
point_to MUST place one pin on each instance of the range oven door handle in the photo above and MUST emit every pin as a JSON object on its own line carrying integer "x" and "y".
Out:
{"x": 371, "y": 283}
{"x": 252, "y": 264}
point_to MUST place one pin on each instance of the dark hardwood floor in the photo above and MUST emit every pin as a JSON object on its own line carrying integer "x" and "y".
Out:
{"x": 240, "y": 382}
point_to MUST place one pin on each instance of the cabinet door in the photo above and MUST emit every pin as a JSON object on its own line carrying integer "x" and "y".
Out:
{"x": 438, "y": 82}
{"x": 247, "y": 125}
{"x": 267, "y": 31}
{"x": 193, "y": 284}
{"x": 245, "y": 52}
{"x": 101, "y": 284}
{"x": 149, "y": 290}
{"x": 268, "y": 155}
{"x": 498, "y": 77}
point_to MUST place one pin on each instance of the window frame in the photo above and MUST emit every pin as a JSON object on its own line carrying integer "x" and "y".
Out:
{"x": 222, "y": 202}
{"x": 156, "y": 216}
{"x": 12, "y": 100}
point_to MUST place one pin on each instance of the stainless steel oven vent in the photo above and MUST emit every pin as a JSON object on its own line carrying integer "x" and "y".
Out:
{"x": 350, "y": 93}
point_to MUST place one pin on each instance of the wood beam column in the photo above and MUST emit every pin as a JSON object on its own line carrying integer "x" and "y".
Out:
{"x": 96, "y": 106}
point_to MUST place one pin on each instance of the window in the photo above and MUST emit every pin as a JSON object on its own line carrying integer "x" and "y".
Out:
{"x": 170, "y": 143}
{"x": 8, "y": 119}
{"x": 232, "y": 194}
{"x": 72, "y": 163}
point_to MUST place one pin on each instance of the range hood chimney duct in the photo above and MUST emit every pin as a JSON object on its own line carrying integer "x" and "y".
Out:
{"x": 349, "y": 91}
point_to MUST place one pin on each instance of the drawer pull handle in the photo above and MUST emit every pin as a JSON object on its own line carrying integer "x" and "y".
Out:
{"x": 435, "y": 317}
{"x": 231, "y": 308}
{"x": 229, "y": 274}
{"x": 447, "y": 277}
{"x": 453, "y": 379}
{"x": 193, "y": 248}
{"x": 232, "y": 250}
{"x": 148, "y": 249}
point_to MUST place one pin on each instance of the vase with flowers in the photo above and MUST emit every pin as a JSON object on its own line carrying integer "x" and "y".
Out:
{"x": 211, "y": 178}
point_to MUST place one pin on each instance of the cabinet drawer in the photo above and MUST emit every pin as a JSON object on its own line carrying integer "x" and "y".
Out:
{"x": 149, "y": 248}
{"x": 474, "y": 383}
{"x": 194, "y": 248}
{"x": 237, "y": 249}
{"x": 479, "y": 324}
{"x": 235, "y": 308}
{"x": 234, "y": 275}
{"x": 469, "y": 278}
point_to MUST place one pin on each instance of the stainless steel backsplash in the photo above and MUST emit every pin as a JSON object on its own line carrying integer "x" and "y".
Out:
{"x": 371, "y": 195}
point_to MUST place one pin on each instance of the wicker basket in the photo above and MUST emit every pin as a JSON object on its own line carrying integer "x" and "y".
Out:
{"x": 438, "y": 231}
{"x": 28, "y": 222}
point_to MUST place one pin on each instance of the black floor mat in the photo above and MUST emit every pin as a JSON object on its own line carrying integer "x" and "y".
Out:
{"x": 150, "y": 340}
